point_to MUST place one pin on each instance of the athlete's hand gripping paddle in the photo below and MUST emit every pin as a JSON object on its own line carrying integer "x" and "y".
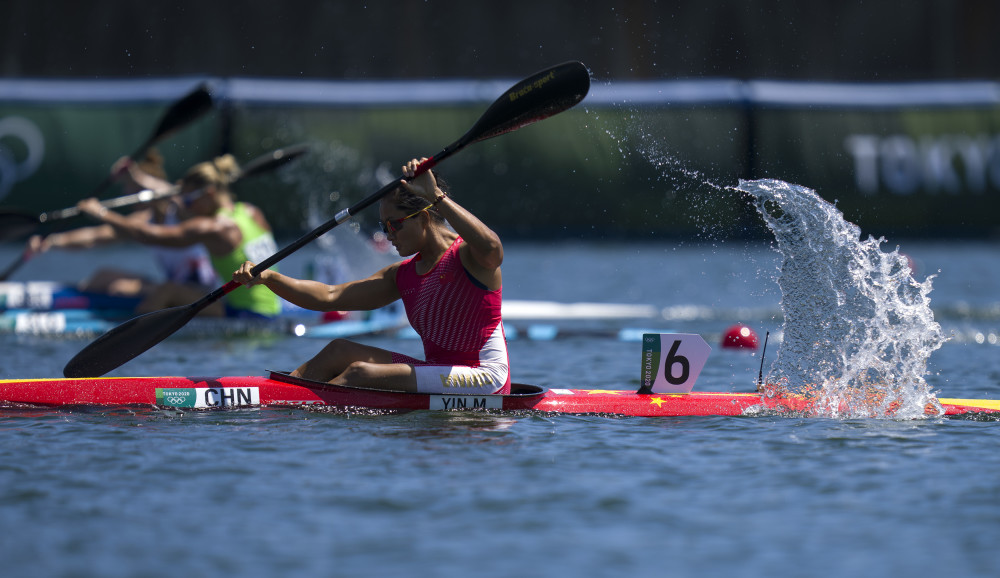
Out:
{"x": 262, "y": 164}
{"x": 539, "y": 96}
{"x": 16, "y": 224}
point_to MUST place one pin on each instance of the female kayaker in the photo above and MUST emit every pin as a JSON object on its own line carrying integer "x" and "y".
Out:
{"x": 231, "y": 231}
{"x": 179, "y": 266}
{"x": 450, "y": 287}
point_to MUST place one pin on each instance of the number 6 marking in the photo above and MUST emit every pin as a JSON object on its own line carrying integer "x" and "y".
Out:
{"x": 665, "y": 369}
{"x": 674, "y": 359}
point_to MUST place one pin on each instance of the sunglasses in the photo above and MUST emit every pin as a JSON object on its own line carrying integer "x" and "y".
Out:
{"x": 393, "y": 225}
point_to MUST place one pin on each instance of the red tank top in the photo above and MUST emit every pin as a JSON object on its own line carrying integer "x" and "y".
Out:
{"x": 455, "y": 316}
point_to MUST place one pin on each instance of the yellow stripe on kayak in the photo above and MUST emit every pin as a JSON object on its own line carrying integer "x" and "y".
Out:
{"x": 981, "y": 403}
{"x": 53, "y": 379}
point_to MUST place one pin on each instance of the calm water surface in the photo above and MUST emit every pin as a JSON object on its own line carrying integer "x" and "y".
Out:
{"x": 298, "y": 492}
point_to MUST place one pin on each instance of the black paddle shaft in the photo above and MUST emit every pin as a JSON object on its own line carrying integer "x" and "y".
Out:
{"x": 15, "y": 224}
{"x": 262, "y": 164}
{"x": 539, "y": 96}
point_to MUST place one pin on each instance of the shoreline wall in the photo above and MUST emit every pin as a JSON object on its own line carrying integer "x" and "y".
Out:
{"x": 635, "y": 159}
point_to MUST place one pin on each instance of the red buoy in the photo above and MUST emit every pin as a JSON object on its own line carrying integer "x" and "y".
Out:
{"x": 330, "y": 316}
{"x": 739, "y": 336}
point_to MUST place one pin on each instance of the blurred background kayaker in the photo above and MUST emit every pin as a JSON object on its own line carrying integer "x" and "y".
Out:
{"x": 231, "y": 232}
{"x": 179, "y": 266}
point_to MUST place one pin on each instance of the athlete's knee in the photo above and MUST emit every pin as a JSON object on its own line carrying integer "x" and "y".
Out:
{"x": 346, "y": 351}
{"x": 357, "y": 373}
{"x": 336, "y": 345}
{"x": 327, "y": 364}
{"x": 358, "y": 370}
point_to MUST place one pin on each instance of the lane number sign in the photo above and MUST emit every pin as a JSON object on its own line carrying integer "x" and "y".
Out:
{"x": 672, "y": 362}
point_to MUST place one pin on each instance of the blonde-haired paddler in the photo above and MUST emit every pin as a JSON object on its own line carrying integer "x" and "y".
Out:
{"x": 232, "y": 232}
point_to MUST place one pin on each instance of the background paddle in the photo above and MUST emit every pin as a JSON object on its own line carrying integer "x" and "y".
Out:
{"x": 182, "y": 113}
{"x": 539, "y": 96}
{"x": 18, "y": 224}
{"x": 15, "y": 224}
{"x": 272, "y": 160}
{"x": 262, "y": 164}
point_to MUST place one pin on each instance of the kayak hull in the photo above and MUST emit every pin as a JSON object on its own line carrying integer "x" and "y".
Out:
{"x": 53, "y": 295}
{"x": 279, "y": 390}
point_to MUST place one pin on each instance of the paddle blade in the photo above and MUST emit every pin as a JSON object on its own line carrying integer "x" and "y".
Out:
{"x": 180, "y": 114}
{"x": 127, "y": 341}
{"x": 539, "y": 96}
{"x": 16, "y": 225}
{"x": 273, "y": 160}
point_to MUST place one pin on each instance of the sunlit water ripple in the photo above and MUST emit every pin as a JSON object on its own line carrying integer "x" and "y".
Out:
{"x": 269, "y": 492}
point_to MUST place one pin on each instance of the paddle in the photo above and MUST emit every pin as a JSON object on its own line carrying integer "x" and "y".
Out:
{"x": 180, "y": 114}
{"x": 539, "y": 96}
{"x": 17, "y": 224}
{"x": 262, "y": 164}
{"x": 272, "y": 160}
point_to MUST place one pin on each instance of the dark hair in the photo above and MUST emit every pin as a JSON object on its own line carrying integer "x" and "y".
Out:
{"x": 408, "y": 202}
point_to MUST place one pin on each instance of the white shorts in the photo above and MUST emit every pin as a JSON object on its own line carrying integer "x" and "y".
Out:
{"x": 487, "y": 378}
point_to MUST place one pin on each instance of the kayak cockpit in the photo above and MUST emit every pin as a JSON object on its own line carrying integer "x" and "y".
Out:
{"x": 517, "y": 390}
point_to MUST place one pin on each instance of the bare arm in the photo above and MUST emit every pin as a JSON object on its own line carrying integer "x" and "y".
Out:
{"x": 82, "y": 238}
{"x": 220, "y": 236}
{"x": 483, "y": 251}
{"x": 362, "y": 295}
{"x": 483, "y": 243}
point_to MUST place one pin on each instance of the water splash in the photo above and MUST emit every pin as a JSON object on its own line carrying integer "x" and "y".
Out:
{"x": 676, "y": 179}
{"x": 349, "y": 251}
{"x": 632, "y": 135}
{"x": 858, "y": 328}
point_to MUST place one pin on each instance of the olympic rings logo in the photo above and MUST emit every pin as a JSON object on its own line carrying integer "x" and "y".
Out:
{"x": 174, "y": 400}
{"x": 30, "y": 150}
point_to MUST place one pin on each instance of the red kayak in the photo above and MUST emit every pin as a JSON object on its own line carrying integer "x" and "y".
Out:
{"x": 279, "y": 389}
